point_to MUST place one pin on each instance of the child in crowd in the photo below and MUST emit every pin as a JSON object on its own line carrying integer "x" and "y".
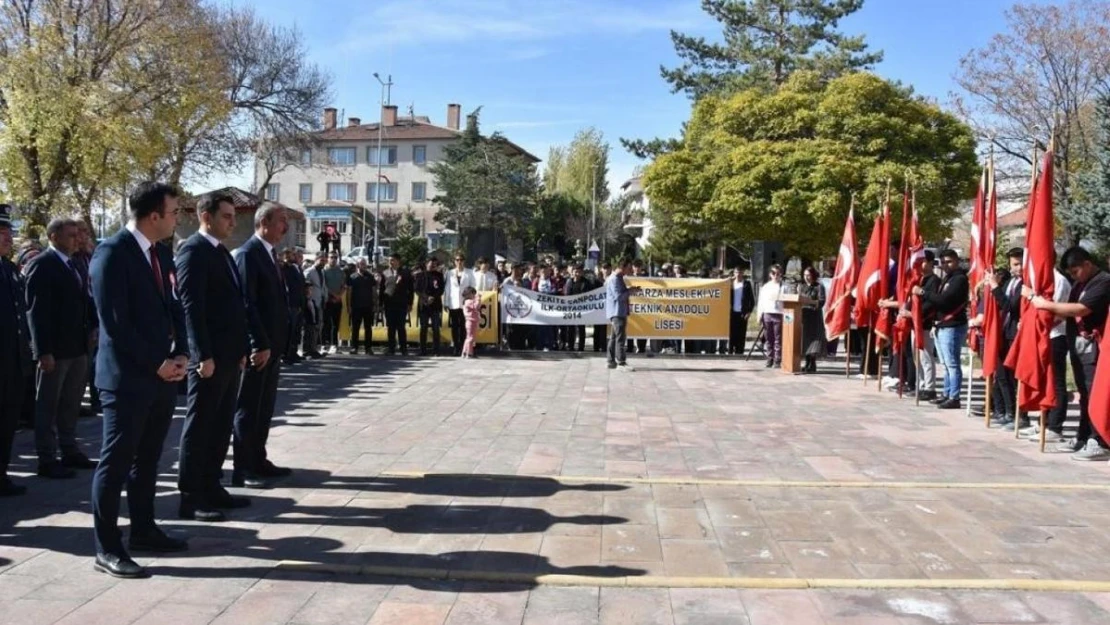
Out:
{"x": 472, "y": 310}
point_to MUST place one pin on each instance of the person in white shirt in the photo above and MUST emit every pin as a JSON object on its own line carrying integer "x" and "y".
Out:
{"x": 769, "y": 311}
{"x": 457, "y": 280}
{"x": 314, "y": 278}
{"x": 1058, "y": 339}
{"x": 484, "y": 278}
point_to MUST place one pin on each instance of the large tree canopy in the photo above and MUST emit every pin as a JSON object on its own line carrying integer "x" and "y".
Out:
{"x": 783, "y": 166}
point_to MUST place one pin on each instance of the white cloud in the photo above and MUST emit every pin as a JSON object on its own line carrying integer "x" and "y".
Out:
{"x": 397, "y": 23}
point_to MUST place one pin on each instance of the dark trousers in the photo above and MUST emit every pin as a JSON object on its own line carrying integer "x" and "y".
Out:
{"x": 333, "y": 311}
{"x": 576, "y": 338}
{"x": 209, "y": 416}
{"x": 600, "y": 340}
{"x": 395, "y": 329}
{"x": 737, "y": 332}
{"x": 1005, "y": 384}
{"x": 296, "y": 330}
{"x": 11, "y": 404}
{"x": 1059, "y": 413}
{"x": 457, "y": 320}
{"x": 57, "y": 404}
{"x": 253, "y": 413}
{"x": 617, "y": 338}
{"x": 94, "y": 393}
{"x": 431, "y": 318}
{"x": 311, "y": 328}
{"x": 135, "y": 428}
{"x": 772, "y": 331}
{"x": 361, "y": 317}
{"x": 1083, "y": 369}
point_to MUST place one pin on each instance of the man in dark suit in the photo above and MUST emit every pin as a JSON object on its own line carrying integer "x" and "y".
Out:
{"x": 216, "y": 322}
{"x": 15, "y": 352}
{"x": 743, "y": 303}
{"x": 429, "y": 287}
{"x": 1008, "y": 296}
{"x": 263, "y": 283}
{"x": 294, "y": 284}
{"x": 57, "y": 306}
{"x": 141, "y": 359}
{"x": 395, "y": 294}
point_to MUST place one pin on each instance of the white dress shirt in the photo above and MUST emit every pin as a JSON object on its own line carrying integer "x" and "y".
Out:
{"x": 769, "y": 299}
{"x": 485, "y": 281}
{"x": 1060, "y": 293}
{"x": 144, "y": 243}
{"x": 737, "y": 296}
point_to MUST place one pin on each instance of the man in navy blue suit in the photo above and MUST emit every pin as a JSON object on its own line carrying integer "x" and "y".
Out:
{"x": 15, "y": 352}
{"x": 141, "y": 359}
{"x": 263, "y": 283}
{"x": 216, "y": 322}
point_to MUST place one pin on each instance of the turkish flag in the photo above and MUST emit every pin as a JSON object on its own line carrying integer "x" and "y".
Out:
{"x": 1031, "y": 354}
{"x": 992, "y": 323}
{"x": 910, "y": 252}
{"x": 975, "y": 257}
{"x": 874, "y": 280}
{"x": 1098, "y": 405}
{"x": 838, "y": 314}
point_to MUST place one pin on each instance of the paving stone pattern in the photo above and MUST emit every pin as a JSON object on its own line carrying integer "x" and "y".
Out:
{"x": 345, "y": 424}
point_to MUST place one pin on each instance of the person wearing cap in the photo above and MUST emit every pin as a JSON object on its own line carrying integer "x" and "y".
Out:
{"x": 57, "y": 311}
{"x": 15, "y": 352}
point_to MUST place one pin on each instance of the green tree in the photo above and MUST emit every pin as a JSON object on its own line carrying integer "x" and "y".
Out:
{"x": 485, "y": 182}
{"x": 782, "y": 166}
{"x": 763, "y": 43}
{"x": 1089, "y": 216}
{"x": 408, "y": 241}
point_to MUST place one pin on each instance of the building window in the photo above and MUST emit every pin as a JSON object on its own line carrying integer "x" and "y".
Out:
{"x": 389, "y": 155}
{"x": 419, "y": 154}
{"x": 298, "y": 233}
{"x": 341, "y": 156}
{"x": 342, "y": 191}
{"x": 273, "y": 192}
{"x": 341, "y": 226}
{"x": 388, "y": 191}
{"x": 306, "y": 157}
{"x": 306, "y": 193}
{"x": 419, "y": 191}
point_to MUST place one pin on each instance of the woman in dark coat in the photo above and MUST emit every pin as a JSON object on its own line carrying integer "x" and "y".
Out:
{"x": 813, "y": 322}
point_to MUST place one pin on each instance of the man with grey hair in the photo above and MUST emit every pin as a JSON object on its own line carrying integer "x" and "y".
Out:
{"x": 58, "y": 314}
{"x": 265, "y": 291}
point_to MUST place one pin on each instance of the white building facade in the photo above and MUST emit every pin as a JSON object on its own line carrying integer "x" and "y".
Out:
{"x": 336, "y": 183}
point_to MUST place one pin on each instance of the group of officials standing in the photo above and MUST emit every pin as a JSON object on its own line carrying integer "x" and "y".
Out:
{"x": 216, "y": 320}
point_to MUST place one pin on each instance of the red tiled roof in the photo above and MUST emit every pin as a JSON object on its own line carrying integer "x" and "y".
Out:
{"x": 244, "y": 202}
{"x": 406, "y": 129}
{"x": 1013, "y": 219}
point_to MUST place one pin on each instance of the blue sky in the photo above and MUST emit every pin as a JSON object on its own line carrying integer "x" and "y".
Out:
{"x": 542, "y": 69}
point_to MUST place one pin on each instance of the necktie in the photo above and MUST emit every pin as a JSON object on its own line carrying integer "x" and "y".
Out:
{"x": 280, "y": 274}
{"x": 76, "y": 274}
{"x": 157, "y": 267}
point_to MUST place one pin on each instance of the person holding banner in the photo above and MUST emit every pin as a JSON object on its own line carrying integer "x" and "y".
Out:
{"x": 616, "y": 310}
{"x": 576, "y": 285}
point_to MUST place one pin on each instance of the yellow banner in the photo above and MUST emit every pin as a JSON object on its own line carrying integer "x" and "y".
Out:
{"x": 679, "y": 308}
{"x": 487, "y": 326}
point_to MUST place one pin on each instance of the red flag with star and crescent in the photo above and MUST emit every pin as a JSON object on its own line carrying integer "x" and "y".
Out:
{"x": 838, "y": 314}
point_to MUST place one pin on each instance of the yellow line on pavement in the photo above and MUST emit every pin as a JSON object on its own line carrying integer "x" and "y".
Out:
{"x": 666, "y": 581}
{"x": 691, "y": 481}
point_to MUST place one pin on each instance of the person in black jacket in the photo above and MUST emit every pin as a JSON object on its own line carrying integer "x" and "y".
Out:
{"x": 1007, "y": 294}
{"x": 743, "y": 303}
{"x": 295, "y": 287}
{"x": 263, "y": 284}
{"x": 15, "y": 352}
{"x": 395, "y": 293}
{"x": 950, "y": 302}
{"x": 362, "y": 288}
{"x": 216, "y": 323}
{"x": 429, "y": 287}
{"x": 576, "y": 285}
{"x": 57, "y": 304}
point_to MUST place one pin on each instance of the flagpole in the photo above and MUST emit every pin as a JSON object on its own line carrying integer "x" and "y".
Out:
{"x": 1043, "y": 423}
{"x": 848, "y": 354}
{"x": 987, "y": 402}
{"x": 917, "y": 368}
{"x": 867, "y": 353}
{"x": 970, "y": 378}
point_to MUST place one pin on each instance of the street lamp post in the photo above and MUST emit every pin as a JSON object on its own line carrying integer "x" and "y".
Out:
{"x": 386, "y": 84}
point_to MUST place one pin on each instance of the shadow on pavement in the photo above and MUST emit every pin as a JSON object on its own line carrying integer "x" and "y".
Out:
{"x": 451, "y": 484}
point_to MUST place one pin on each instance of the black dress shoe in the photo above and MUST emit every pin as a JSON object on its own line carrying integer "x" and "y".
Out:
{"x": 950, "y": 404}
{"x": 202, "y": 511}
{"x": 939, "y": 399}
{"x": 271, "y": 470}
{"x": 118, "y": 566}
{"x": 156, "y": 541}
{"x": 927, "y": 395}
{"x": 55, "y": 471}
{"x": 78, "y": 460}
{"x": 249, "y": 481}
{"x": 9, "y": 488}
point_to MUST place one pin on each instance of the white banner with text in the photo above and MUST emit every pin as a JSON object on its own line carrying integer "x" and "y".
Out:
{"x": 540, "y": 309}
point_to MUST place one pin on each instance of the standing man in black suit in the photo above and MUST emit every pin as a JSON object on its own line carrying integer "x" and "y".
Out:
{"x": 216, "y": 323}
{"x": 430, "y": 286}
{"x": 743, "y": 303}
{"x": 263, "y": 282}
{"x": 396, "y": 298}
{"x": 57, "y": 305}
{"x": 141, "y": 359}
{"x": 15, "y": 352}
{"x": 294, "y": 284}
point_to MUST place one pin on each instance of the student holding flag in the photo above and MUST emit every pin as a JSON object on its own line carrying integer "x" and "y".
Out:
{"x": 950, "y": 302}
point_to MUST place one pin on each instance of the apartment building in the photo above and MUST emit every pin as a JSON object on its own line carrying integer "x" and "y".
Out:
{"x": 335, "y": 182}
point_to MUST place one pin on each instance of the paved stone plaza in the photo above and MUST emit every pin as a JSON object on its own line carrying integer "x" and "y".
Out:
{"x": 551, "y": 490}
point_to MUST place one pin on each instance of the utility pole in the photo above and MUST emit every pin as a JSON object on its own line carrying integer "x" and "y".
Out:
{"x": 593, "y": 206}
{"x": 387, "y": 85}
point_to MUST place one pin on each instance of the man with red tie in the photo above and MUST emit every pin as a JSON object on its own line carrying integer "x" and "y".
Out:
{"x": 142, "y": 357}
{"x": 263, "y": 284}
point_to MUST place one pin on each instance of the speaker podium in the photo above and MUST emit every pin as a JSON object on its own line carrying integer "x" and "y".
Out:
{"x": 792, "y": 305}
